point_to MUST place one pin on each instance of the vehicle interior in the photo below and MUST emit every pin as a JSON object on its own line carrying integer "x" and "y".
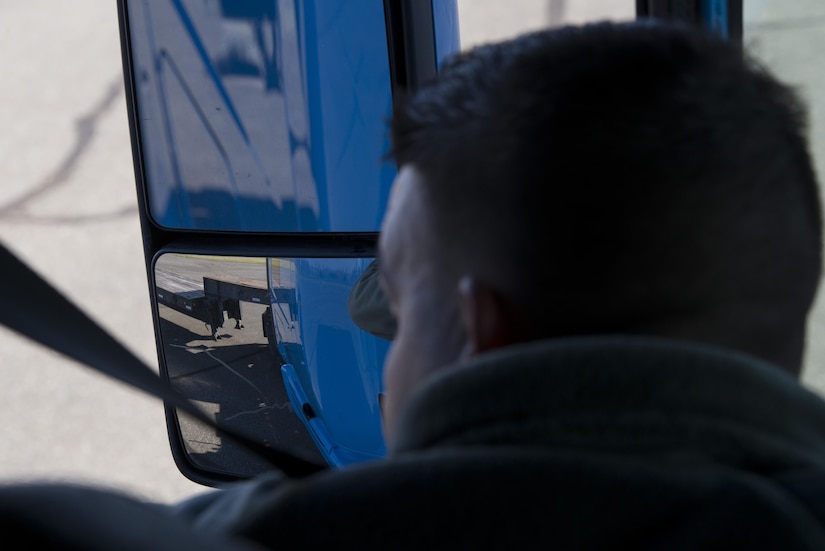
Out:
{"x": 257, "y": 139}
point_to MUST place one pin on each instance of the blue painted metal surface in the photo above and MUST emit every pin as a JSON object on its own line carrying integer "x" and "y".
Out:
{"x": 333, "y": 369}
{"x": 447, "y": 36}
{"x": 715, "y": 16}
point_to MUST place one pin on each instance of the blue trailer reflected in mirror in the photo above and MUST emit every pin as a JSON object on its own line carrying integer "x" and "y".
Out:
{"x": 266, "y": 346}
{"x": 260, "y": 116}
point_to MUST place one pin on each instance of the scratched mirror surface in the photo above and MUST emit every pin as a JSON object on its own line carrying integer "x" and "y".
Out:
{"x": 248, "y": 117}
{"x": 266, "y": 346}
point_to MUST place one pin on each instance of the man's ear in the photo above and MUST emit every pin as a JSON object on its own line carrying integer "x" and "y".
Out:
{"x": 486, "y": 320}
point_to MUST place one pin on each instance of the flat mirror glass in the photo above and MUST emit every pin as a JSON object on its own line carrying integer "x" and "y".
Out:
{"x": 261, "y": 115}
{"x": 267, "y": 347}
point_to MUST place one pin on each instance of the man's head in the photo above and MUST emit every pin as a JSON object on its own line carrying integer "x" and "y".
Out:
{"x": 634, "y": 178}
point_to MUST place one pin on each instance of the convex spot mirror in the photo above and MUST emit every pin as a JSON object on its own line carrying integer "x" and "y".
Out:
{"x": 267, "y": 347}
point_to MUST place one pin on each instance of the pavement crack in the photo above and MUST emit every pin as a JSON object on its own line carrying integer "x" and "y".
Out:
{"x": 85, "y": 129}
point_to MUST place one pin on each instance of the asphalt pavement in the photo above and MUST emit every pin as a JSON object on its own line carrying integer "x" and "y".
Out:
{"x": 68, "y": 208}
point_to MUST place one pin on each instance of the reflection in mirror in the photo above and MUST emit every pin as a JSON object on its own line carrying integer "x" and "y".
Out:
{"x": 266, "y": 347}
{"x": 234, "y": 100}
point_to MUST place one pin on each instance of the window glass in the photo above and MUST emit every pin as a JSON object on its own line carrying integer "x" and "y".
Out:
{"x": 481, "y": 22}
{"x": 789, "y": 37}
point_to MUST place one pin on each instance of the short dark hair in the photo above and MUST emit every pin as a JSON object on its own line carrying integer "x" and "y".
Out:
{"x": 620, "y": 177}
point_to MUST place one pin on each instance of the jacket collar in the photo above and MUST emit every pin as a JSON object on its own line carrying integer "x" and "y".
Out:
{"x": 620, "y": 394}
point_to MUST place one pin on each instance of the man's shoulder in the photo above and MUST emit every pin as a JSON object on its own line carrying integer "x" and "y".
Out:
{"x": 495, "y": 496}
